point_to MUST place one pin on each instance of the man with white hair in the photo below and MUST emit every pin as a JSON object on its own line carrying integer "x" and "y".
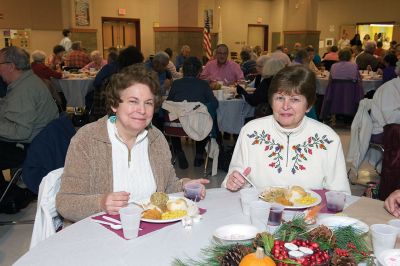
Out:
{"x": 25, "y": 110}
{"x": 367, "y": 58}
{"x": 97, "y": 61}
{"x": 279, "y": 54}
{"x": 39, "y": 67}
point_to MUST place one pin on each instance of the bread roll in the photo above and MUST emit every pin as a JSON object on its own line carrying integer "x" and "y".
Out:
{"x": 177, "y": 205}
{"x": 296, "y": 192}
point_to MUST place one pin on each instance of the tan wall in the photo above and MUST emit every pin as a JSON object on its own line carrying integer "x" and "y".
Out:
{"x": 44, "y": 40}
{"x": 236, "y": 15}
{"x": 22, "y": 14}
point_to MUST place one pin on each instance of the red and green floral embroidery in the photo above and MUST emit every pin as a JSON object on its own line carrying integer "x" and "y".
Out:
{"x": 271, "y": 146}
{"x": 302, "y": 151}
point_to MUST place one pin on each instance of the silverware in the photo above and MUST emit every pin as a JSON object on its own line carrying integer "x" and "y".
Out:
{"x": 248, "y": 180}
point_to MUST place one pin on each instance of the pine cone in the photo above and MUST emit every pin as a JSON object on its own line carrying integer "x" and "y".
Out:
{"x": 345, "y": 261}
{"x": 234, "y": 255}
{"x": 322, "y": 232}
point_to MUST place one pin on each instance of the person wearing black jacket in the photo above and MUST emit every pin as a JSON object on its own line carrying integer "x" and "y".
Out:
{"x": 259, "y": 98}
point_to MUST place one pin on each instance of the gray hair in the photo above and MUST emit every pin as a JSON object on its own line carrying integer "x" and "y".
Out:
{"x": 95, "y": 54}
{"x": 38, "y": 56}
{"x": 161, "y": 58}
{"x": 370, "y": 47}
{"x": 18, "y": 56}
{"x": 272, "y": 66}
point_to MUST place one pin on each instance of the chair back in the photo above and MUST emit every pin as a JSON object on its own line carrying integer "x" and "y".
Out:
{"x": 47, "y": 151}
{"x": 342, "y": 96}
{"x": 173, "y": 128}
{"x": 47, "y": 220}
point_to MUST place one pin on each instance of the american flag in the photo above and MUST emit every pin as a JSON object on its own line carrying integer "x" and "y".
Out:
{"x": 206, "y": 36}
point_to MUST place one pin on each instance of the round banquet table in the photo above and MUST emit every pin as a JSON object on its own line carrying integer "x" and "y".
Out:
{"x": 89, "y": 243}
{"x": 75, "y": 89}
{"x": 367, "y": 84}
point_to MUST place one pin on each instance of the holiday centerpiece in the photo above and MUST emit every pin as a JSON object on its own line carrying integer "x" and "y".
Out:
{"x": 295, "y": 242}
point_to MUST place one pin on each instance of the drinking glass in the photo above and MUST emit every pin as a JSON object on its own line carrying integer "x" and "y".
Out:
{"x": 192, "y": 191}
{"x": 275, "y": 214}
{"x": 130, "y": 220}
{"x": 383, "y": 237}
{"x": 335, "y": 200}
{"x": 259, "y": 212}
{"x": 247, "y": 195}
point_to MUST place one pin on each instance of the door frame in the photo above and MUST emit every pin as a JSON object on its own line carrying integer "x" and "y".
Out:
{"x": 135, "y": 21}
{"x": 266, "y": 32}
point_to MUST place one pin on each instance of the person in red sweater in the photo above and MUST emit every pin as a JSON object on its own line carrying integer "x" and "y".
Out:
{"x": 39, "y": 67}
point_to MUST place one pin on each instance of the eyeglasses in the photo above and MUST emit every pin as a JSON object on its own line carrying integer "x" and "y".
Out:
{"x": 6, "y": 62}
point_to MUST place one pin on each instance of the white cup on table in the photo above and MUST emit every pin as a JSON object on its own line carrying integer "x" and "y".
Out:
{"x": 383, "y": 237}
{"x": 130, "y": 220}
{"x": 259, "y": 212}
{"x": 247, "y": 195}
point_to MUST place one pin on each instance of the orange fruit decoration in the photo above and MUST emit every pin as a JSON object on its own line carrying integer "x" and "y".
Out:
{"x": 257, "y": 258}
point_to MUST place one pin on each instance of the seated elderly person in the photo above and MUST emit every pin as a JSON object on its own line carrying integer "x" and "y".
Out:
{"x": 77, "y": 58}
{"x": 25, "y": 110}
{"x": 345, "y": 69}
{"x": 288, "y": 148}
{"x": 56, "y": 60}
{"x": 303, "y": 57}
{"x": 367, "y": 58}
{"x": 332, "y": 54}
{"x": 180, "y": 58}
{"x": 385, "y": 107}
{"x": 159, "y": 65}
{"x": 248, "y": 65}
{"x": 259, "y": 98}
{"x": 221, "y": 69}
{"x": 199, "y": 91}
{"x": 171, "y": 67}
{"x": 40, "y": 69}
{"x": 260, "y": 62}
{"x": 120, "y": 158}
{"x": 97, "y": 61}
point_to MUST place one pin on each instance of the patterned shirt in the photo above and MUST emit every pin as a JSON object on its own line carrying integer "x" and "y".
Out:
{"x": 77, "y": 59}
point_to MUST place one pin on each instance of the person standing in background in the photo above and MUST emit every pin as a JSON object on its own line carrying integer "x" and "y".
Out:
{"x": 66, "y": 41}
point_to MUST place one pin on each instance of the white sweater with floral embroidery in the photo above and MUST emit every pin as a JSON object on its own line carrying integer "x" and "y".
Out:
{"x": 310, "y": 155}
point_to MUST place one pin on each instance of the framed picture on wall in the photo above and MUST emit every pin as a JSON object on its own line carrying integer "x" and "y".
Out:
{"x": 329, "y": 41}
{"x": 82, "y": 17}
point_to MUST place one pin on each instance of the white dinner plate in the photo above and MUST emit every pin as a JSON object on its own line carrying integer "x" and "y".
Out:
{"x": 236, "y": 232}
{"x": 340, "y": 221}
{"x": 390, "y": 257}
{"x": 189, "y": 202}
{"x": 303, "y": 206}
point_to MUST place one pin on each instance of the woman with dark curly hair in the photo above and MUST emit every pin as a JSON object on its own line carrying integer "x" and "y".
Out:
{"x": 120, "y": 158}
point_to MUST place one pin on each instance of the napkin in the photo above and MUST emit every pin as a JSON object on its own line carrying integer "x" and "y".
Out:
{"x": 146, "y": 227}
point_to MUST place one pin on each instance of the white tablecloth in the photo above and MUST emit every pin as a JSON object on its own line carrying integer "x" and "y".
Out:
{"x": 88, "y": 243}
{"x": 232, "y": 113}
{"x": 74, "y": 90}
{"x": 367, "y": 85}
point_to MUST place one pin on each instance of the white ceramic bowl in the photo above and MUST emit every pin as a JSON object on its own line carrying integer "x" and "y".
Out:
{"x": 236, "y": 233}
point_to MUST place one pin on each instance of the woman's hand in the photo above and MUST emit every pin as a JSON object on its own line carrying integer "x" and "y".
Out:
{"x": 236, "y": 181}
{"x": 201, "y": 181}
{"x": 111, "y": 203}
{"x": 392, "y": 203}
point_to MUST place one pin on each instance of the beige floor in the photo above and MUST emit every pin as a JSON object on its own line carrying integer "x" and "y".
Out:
{"x": 15, "y": 240}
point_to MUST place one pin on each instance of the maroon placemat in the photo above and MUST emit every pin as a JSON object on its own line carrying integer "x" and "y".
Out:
{"x": 146, "y": 226}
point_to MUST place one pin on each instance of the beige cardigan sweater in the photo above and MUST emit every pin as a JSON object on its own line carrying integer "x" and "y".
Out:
{"x": 88, "y": 171}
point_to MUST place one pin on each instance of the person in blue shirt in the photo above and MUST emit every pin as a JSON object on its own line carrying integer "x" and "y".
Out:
{"x": 185, "y": 52}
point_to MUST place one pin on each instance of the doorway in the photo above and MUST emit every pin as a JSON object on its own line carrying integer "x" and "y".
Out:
{"x": 120, "y": 33}
{"x": 258, "y": 35}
